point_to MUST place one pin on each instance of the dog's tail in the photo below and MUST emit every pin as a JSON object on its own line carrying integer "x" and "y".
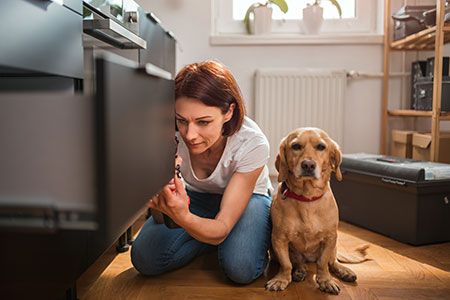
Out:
{"x": 358, "y": 255}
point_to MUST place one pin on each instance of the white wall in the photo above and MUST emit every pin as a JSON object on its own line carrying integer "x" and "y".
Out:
{"x": 191, "y": 24}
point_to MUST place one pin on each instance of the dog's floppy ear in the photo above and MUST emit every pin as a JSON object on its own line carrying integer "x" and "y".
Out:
{"x": 336, "y": 159}
{"x": 280, "y": 163}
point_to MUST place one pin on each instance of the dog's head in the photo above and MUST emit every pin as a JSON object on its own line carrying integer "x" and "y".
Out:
{"x": 308, "y": 154}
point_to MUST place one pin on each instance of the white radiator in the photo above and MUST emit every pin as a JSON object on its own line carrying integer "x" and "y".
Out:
{"x": 286, "y": 99}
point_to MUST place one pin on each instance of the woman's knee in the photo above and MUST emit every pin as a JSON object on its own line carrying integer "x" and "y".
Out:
{"x": 243, "y": 255}
{"x": 241, "y": 270}
{"x": 158, "y": 249}
{"x": 150, "y": 249}
{"x": 144, "y": 259}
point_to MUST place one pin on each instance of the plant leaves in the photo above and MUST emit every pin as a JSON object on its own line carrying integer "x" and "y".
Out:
{"x": 281, "y": 4}
{"x": 338, "y": 7}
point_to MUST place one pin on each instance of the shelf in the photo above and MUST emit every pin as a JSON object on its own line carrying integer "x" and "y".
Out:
{"x": 432, "y": 39}
{"x": 423, "y": 40}
{"x": 417, "y": 113}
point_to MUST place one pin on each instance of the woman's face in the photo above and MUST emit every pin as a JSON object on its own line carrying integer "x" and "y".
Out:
{"x": 199, "y": 125}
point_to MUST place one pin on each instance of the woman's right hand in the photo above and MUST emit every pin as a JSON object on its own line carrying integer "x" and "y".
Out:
{"x": 157, "y": 198}
{"x": 172, "y": 200}
{"x": 157, "y": 215}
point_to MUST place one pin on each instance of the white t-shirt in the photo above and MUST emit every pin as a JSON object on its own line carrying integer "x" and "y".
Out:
{"x": 246, "y": 150}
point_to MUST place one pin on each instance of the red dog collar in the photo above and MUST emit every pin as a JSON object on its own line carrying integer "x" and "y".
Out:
{"x": 288, "y": 193}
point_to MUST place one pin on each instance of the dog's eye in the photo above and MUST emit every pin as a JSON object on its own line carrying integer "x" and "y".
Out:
{"x": 320, "y": 147}
{"x": 296, "y": 146}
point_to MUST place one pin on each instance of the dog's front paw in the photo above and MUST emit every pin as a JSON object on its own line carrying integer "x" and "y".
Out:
{"x": 278, "y": 283}
{"x": 328, "y": 286}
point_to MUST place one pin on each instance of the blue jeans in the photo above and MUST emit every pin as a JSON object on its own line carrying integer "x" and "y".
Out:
{"x": 242, "y": 255}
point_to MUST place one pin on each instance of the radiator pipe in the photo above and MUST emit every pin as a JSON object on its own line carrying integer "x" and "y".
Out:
{"x": 352, "y": 74}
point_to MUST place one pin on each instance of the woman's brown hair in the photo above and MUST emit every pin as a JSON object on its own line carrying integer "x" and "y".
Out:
{"x": 214, "y": 85}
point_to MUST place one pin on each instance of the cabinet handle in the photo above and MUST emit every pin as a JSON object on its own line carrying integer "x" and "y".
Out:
{"x": 158, "y": 72}
{"x": 393, "y": 181}
{"x": 60, "y": 2}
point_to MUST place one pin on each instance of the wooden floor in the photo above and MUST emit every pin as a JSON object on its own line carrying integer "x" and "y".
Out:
{"x": 396, "y": 271}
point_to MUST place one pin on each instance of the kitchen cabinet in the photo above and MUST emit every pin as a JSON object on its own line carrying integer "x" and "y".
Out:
{"x": 41, "y": 37}
{"x": 87, "y": 137}
{"x": 161, "y": 44}
{"x": 77, "y": 171}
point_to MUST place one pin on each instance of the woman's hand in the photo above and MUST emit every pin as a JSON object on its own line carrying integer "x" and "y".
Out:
{"x": 155, "y": 211}
{"x": 172, "y": 200}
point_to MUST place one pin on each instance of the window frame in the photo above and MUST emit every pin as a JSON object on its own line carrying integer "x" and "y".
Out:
{"x": 365, "y": 21}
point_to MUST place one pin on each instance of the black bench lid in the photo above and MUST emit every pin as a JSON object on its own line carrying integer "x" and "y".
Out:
{"x": 394, "y": 167}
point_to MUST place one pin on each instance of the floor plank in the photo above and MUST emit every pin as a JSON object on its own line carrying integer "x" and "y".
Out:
{"x": 396, "y": 271}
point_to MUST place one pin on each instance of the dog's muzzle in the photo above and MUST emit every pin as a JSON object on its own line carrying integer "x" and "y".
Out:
{"x": 308, "y": 168}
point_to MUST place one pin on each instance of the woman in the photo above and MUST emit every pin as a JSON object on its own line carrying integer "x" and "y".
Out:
{"x": 224, "y": 168}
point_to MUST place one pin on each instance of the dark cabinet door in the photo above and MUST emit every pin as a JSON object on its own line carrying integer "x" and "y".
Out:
{"x": 170, "y": 54}
{"x": 160, "y": 45}
{"x": 46, "y": 158}
{"x": 40, "y": 37}
{"x": 76, "y": 172}
{"x": 47, "y": 199}
{"x": 135, "y": 140}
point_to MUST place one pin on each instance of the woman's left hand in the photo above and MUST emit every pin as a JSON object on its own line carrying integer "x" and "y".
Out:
{"x": 172, "y": 200}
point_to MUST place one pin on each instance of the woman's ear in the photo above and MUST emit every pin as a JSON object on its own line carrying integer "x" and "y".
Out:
{"x": 229, "y": 113}
{"x": 280, "y": 163}
{"x": 336, "y": 159}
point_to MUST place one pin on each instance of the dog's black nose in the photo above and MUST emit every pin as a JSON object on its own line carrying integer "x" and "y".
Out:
{"x": 308, "y": 166}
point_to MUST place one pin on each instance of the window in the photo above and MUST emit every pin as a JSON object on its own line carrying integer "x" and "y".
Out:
{"x": 295, "y": 8}
{"x": 358, "y": 16}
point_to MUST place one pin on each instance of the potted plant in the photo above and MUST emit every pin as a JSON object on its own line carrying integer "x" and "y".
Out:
{"x": 313, "y": 16}
{"x": 262, "y": 16}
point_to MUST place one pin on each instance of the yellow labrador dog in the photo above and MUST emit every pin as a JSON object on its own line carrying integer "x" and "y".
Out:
{"x": 304, "y": 212}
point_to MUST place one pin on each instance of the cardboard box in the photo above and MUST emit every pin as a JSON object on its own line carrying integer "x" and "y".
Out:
{"x": 422, "y": 146}
{"x": 402, "y": 143}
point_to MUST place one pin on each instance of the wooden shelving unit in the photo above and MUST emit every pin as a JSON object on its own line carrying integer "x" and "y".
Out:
{"x": 423, "y": 40}
{"x": 432, "y": 38}
{"x": 416, "y": 113}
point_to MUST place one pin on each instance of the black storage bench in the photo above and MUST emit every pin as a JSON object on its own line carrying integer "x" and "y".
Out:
{"x": 406, "y": 200}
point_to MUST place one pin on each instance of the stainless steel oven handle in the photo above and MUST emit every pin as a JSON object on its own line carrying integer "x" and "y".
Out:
{"x": 114, "y": 34}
